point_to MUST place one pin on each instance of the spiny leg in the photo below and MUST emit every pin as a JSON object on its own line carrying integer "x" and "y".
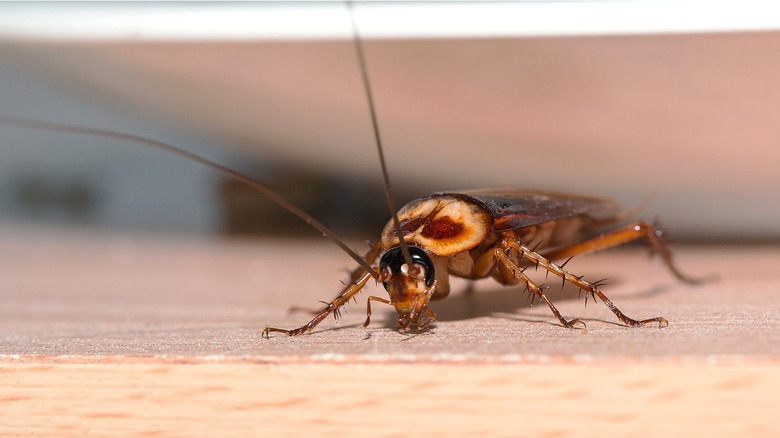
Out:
{"x": 532, "y": 287}
{"x": 622, "y": 236}
{"x": 333, "y": 306}
{"x": 354, "y": 276}
{"x": 592, "y": 288}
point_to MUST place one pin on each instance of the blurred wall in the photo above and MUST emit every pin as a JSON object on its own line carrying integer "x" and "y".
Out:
{"x": 688, "y": 118}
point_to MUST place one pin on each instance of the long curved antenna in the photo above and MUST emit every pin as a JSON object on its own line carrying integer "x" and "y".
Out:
{"x": 267, "y": 192}
{"x": 375, "y": 124}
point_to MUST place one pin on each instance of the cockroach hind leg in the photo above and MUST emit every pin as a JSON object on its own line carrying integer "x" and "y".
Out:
{"x": 651, "y": 234}
{"x": 658, "y": 241}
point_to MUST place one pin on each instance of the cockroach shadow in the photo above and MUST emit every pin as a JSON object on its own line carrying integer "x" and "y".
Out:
{"x": 515, "y": 303}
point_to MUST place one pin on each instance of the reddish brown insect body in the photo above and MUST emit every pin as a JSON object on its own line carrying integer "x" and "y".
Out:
{"x": 496, "y": 234}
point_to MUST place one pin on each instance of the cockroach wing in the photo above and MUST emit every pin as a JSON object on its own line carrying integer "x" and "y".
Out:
{"x": 518, "y": 209}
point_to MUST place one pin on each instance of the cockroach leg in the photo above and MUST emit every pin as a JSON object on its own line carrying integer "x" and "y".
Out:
{"x": 368, "y": 307}
{"x": 431, "y": 318}
{"x": 588, "y": 287}
{"x": 354, "y": 277}
{"x": 332, "y": 307}
{"x": 535, "y": 289}
{"x": 621, "y": 236}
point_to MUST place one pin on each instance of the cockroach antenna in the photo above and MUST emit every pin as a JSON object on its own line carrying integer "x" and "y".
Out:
{"x": 267, "y": 192}
{"x": 378, "y": 139}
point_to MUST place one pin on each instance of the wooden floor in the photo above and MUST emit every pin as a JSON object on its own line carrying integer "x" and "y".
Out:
{"x": 112, "y": 335}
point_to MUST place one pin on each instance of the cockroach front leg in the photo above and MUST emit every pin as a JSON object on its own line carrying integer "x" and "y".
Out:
{"x": 368, "y": 307}
{"x": 588, "y": 287}
{"x": 333, "y": 306}
{"x": 354, "y": 276}
{"x": 532, "y": 287}
{"x": 431, "y": 317}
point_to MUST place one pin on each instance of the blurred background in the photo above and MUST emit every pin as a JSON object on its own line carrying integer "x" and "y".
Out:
{"x": 675, "y": 100}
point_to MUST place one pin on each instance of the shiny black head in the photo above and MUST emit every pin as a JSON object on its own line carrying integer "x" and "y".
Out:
{"x": 394, "y": 259}
{"x": 410, "y": 285}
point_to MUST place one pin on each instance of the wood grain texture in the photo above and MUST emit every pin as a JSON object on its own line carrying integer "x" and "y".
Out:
{"x": 109, "y": 335}
{"x": 244, "y": 399}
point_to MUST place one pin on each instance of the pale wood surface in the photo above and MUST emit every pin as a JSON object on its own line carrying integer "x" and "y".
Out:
{"x": 131, "y": 335}
{"x": 218, "y": 399}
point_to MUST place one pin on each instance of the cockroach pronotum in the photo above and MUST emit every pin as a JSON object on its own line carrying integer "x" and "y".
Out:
{"x": 471, "y": 234}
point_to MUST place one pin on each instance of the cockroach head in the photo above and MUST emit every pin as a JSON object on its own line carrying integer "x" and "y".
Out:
{"x": 410, "y": 285}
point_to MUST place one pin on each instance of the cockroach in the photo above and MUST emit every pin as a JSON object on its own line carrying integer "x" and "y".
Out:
{"x": 470, "y": 234}
{"x": 487, "y": 233}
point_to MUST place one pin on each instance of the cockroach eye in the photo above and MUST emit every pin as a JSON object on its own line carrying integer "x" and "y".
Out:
{"x": 394, "y": 259}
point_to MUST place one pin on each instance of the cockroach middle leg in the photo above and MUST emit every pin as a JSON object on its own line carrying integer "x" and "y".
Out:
{"x": 588, "y": 287}
{"x": 332, "y": 307}
{"x": 532, "y": 287}
{"x": 621, "y": 236}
